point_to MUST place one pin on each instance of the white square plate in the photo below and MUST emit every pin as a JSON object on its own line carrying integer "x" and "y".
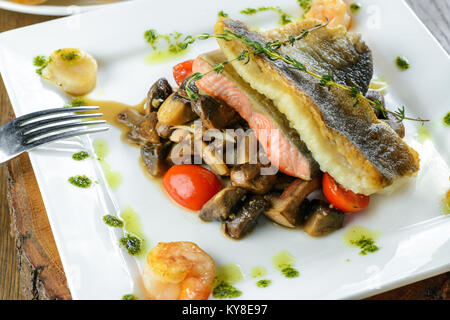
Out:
{"x": 415, "y": 235}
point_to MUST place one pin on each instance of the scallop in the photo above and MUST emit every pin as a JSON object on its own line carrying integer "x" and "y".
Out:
{"x": 74, "y": 70}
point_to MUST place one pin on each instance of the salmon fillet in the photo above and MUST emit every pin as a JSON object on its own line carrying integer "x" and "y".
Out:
{"x": 360, "y": 152}
{"x": 285, "y": 150}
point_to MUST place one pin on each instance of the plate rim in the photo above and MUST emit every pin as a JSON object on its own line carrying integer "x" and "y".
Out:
{"x": 362, "y": 293}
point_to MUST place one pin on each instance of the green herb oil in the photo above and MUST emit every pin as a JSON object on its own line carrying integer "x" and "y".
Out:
{"x": 402, "y": 62}
{"x": 80, "y": 181}
{"x": 284, "y": 262}
{"x": 357, "y": 236}
{"x": 263, "y": 283}
{"x": 79, "y": 156}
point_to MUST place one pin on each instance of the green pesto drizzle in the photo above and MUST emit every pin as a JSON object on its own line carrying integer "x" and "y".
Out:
{"x": 402, "y": 62}
{"x": 446, "y": 119}
{"x": 226, "y": 276}
{"x": 132, "y": 243}
{"x": 225, "y": 290}
{"x": 284, "y": 17}
{"x": 263, "y": 283}
{"x": 355, "y": 7}
{"x": 129, "y": 297}
{"x": 357, "y": 236}
{"x": 112, "y": 221}
{"x": 174, "y": 42}
{"x": 79, "y": 156}
{"x": 305, "y": 5}
{"x": 284, "y": 262}
{"x": 76, "y": 102}
{"x": 222, "y": 14}
{"x": 80, "y": 181}
{"x": 133, "y": 227}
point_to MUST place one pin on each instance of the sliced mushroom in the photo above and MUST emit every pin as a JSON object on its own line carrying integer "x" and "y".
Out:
{"x": 213, "y": 160}
{"x": 154, "y": 158}
{"x": 159, "y": 92}
{"x": 392, "y": 121}
{"x": 245, "y": 219}
{"x": 130, "y": 117}
{"x": 322, "y": 219}
{"x": 284, "y": 210}
{"x": 214, "y": 113}
{"x": 183, "y": 151}
{"x": 175, "y": 111}
{"x": 249, "y": 176}
{"x": 221, "y": 205}
{"x": 164, "y": 130}
{"x": 145, "y": 130}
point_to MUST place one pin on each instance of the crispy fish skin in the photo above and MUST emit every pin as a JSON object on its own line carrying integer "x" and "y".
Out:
{"x": 360, "y": 152}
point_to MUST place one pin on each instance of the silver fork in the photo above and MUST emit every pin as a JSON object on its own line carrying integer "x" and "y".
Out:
{"x": 28, "y": 132}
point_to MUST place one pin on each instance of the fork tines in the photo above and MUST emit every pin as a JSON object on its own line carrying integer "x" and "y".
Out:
{"x": 57, "y": 124}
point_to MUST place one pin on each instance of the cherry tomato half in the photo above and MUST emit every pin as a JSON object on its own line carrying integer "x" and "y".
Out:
{"x": 191, "y": 186}
{"x": 182, "y": 70}
{"x": 342, "y": 199}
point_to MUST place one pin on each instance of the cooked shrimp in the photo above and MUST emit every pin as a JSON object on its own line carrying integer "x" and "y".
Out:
{"x": 73, "y": 70}
{"x": 336, "y": 11}
{"x": 178, "y": 271}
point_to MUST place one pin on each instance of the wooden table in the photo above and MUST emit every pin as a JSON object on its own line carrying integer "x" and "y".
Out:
{"x": 30, "y": 267}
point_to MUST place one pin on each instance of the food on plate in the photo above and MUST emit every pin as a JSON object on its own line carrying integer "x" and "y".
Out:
{"x": 343, "y": 199}
{"x": 343, "y": 134}
{"x": 261, "y": 115}
{"x": 285, "y": 209}
{"x": 73, "y": 70}
{"x": 321, "y": 218}
{"x": 191, "y": 186}
{"x": 178, "y": 271}
{"x": 335, "y": 11}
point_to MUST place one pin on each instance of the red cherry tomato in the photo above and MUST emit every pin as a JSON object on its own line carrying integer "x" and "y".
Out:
{"x": 342, "y": 199}
{"x": 182, "y": 70}
{"x": 191, "y": 186}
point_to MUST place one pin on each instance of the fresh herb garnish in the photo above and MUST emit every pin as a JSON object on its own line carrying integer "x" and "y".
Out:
{"x": 224, "y": 290}
{"x": 129, "y": 297}
{"x": 132, "y": 243}
{"x": 284, "y": 17}
{"x": 112, "y": 221}
{"x": 402, "y": 62}
{"x": 263, "y": 283}
{"x": 80, "y": 156}
{"x": 80, "y": 181}
{"x": 367, "y": 245}
{"x": 355, "y": 7}
{"x": 41, "y": 62}
{"x": 270, "y": 51}
{"x": 222, "y": 14}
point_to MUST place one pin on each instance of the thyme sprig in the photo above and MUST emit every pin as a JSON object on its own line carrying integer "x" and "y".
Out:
{"x": 218, "y": 68}
{"x": 269, "y": 50}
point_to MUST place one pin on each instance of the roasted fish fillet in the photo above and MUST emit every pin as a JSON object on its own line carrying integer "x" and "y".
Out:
{"x": 281, "y": 143}
{"x": 360, "y": 152}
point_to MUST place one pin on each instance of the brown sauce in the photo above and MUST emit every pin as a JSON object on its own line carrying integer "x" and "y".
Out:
{"x": 111, "y": 109}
